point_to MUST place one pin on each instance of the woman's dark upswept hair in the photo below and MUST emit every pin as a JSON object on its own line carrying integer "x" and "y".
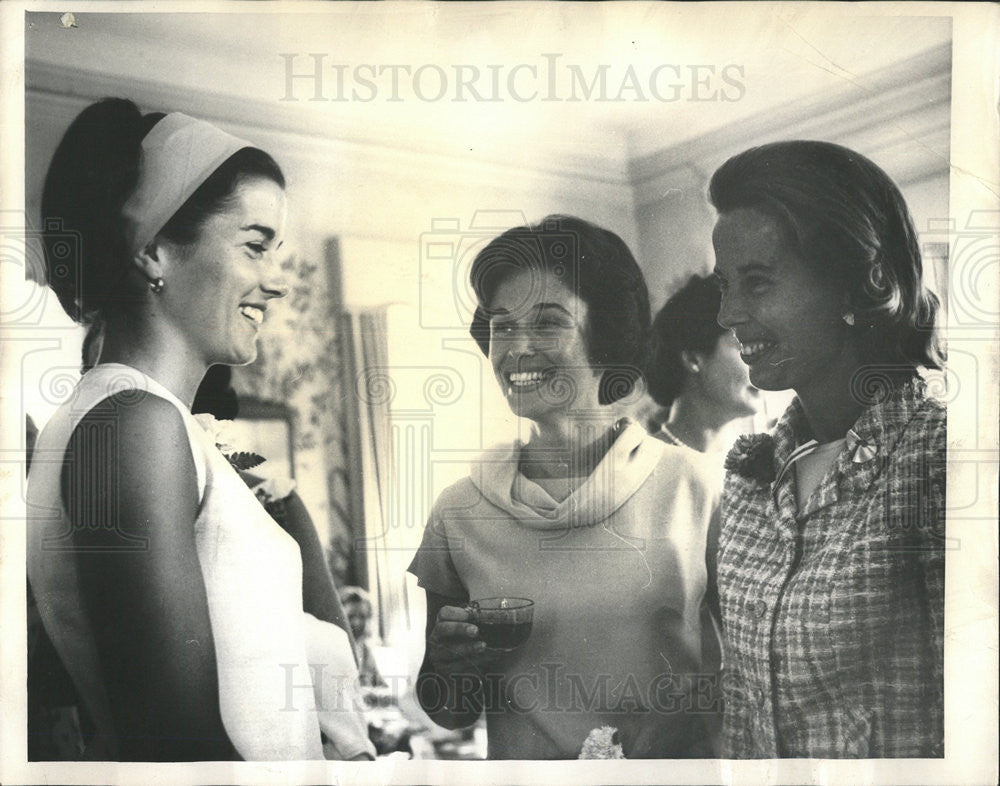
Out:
{"x": 846, "y": 218}
{"x": 92, "y": 174}
{"x": 597, "y": 266}
{"x": 688, "y": 322}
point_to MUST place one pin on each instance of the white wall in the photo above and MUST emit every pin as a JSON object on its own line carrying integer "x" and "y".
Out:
{"x": 899, "y": 117}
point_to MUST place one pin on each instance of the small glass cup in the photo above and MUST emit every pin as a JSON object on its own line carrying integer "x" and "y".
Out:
{"x": 504, "y": 623}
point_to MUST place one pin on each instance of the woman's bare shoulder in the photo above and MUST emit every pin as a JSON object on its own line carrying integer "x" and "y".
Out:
{"x": 136, "y": 447}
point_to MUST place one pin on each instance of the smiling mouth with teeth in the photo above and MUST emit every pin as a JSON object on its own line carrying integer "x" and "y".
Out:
{"x": 254, "y": 314}
{"x": 754, "y": 350}
{"x": 520, "y": 379}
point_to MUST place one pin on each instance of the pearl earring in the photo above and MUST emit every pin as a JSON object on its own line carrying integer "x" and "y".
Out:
{"x": 849, "y": 318}
{"x": 157, "y": 285}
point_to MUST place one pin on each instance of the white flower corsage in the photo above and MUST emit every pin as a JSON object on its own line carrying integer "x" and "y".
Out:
{"x": 602, "y": 743}
{"x": 273, "y": 489}
{"x": 221, "y": 433}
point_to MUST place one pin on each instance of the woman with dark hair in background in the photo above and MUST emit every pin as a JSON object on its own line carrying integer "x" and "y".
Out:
{"x": 601, "y": 525}
{"x": 173, "y": 600}
{"x": 831, "y": 554}
{"x": 696, "y": 371}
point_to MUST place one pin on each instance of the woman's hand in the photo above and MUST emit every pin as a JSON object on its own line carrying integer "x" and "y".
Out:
{"x": 453, "y": 644}
{"x": 450, "y": 685}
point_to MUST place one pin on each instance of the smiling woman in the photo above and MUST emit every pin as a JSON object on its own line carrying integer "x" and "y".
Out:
{"x": 831, "y": 553}
{"x": 220, "y": 286}
{"x": 538, "y": 384}
{"x": 602, "y": 526}
{"x": 147, "y": 553}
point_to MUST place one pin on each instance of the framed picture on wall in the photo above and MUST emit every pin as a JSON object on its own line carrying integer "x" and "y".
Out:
{"x": 266, "y": 428}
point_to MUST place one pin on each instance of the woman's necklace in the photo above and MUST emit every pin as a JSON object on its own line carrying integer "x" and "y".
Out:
{"x": 673, "y": 439}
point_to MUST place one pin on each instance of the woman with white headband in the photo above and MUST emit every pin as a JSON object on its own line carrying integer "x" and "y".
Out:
{"x": 172, "y": 599}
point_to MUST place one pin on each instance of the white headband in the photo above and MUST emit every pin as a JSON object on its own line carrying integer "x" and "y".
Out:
{"x": 177, "y": 156}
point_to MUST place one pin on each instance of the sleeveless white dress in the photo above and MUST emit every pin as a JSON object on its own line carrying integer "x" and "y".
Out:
{"x": 284, "y": 676}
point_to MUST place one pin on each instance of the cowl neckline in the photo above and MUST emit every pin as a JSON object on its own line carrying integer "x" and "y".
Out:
{"x": 619, "y": 474}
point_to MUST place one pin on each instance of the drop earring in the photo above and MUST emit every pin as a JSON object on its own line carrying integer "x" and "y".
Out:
{"x": 849, "y": 318}
{"x": 156, "y": 285}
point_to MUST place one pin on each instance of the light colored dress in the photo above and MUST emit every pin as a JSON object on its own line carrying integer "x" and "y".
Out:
{"x": 271, "y": 706}
{"x": 617, "y": 571}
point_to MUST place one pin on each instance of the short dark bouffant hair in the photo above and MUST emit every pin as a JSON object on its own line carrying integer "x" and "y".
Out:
{"x": 843, "y": 215}
{"x": 688, "y": 322}
{"x": 598, "y": 267}
{"x": 92, "y": 174}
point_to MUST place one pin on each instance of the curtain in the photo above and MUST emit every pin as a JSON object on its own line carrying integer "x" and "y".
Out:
{"x": 386, "y": 460}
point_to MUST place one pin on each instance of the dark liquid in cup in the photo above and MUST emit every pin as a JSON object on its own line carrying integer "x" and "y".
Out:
{"x": 504, "y": 635}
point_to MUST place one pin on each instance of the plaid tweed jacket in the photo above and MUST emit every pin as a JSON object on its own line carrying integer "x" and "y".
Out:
{"x": 834, "y": 615}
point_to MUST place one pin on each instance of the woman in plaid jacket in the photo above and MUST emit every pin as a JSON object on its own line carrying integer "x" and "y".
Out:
{"x": 831, "y": 554}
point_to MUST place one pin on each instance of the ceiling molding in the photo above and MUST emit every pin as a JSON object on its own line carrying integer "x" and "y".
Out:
{"x": 904, "y": 109}
{"x": 900, "y": 116}
{"x": 79, "y": 87}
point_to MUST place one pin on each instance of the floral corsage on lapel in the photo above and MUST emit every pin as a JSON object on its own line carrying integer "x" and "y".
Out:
{"x": 220, "y": 430}
{"x": 753, "y": 457}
